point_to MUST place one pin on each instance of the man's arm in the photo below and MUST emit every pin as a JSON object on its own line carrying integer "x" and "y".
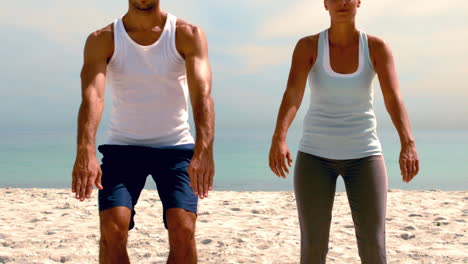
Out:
{"x": 194, "y": 47}
{"x": 86, "y": 171}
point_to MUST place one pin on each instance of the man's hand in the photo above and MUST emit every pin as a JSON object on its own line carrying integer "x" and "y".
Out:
{"x": 86, "y": 171}
{"x": 86, "y": 174}
{"x": 193, "y": 46}
{"x": 201, "y": 171}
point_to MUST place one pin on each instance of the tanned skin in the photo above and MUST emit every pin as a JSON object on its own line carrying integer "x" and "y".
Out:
{"x": 344, "y": 45}
{"x": 144, "y": 22}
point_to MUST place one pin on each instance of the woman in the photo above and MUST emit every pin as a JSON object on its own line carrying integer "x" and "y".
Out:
{"x": 339, "y": 136}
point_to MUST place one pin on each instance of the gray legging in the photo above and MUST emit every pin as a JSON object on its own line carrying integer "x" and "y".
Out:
{"x": 366, "y": 187}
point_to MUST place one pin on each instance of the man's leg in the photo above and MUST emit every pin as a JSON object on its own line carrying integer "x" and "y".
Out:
{"x": 179, "y": 201}
{"x": 181, "y": 227}
{"x": 123, "y": 178}
{"x": 114, "y": 233}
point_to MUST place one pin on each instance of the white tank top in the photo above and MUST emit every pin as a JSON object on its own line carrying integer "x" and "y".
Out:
{"x": 149, "y": 91}
{"x": 340, "y": 122}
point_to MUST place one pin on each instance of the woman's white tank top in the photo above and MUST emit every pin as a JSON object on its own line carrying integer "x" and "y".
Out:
{"x": 340, "y": 122}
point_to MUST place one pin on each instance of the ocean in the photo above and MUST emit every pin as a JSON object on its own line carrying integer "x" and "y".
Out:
{"x": 44, "y": 159}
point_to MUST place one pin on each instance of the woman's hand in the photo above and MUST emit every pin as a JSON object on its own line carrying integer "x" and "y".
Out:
{"x": 280, "y": 158}
{"x": 409, "y": 162}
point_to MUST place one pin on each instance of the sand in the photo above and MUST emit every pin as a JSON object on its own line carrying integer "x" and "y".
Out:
{"x": 50, "y": 226}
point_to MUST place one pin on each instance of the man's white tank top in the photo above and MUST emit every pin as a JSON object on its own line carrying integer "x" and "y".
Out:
{"x": 340, "y": 122}
{"x": 149, "y": 91}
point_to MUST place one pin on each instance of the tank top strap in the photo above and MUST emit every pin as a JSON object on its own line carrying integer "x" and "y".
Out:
{"x": 320, "y": 49}
{"x": 118, "y": 29}
{"x": 172, "y": 26}
{"x": 365, "y": 49}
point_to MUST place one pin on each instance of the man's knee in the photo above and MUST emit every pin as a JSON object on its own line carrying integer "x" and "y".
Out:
{"x": 114, "y": 226}
{"x": 181, "y": 225}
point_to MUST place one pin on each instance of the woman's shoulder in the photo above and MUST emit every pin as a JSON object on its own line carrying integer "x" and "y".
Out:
{"x": 310, "y": 38}
{"x": 376, "y": 43}
{"x": 310, "y": 41}
{"x": 379, "y": 49}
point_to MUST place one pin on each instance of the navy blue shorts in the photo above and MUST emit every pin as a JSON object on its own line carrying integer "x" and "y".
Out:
{"x": 124, "y": 172}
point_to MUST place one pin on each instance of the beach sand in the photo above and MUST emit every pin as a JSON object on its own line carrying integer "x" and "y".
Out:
{"x": 51, "y": 226}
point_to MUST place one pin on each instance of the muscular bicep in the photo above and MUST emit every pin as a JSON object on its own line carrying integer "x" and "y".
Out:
{"x": 197, "y": 64}
{"x": 93, "y": 72}
{"x": 386, "y": 71}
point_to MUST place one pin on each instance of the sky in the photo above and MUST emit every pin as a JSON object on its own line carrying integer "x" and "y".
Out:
{"x": 250, "y": 48}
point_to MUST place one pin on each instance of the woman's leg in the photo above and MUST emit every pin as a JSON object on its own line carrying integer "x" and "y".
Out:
{"x": 314, "y": 186}
{"x": 366, "y": 187}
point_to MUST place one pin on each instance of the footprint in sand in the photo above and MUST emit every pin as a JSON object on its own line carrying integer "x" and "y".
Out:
{"x": 264, "y": 246}
{"x": 66, "y": 206}
{"x": 5, "y": 259}
{"x": 207, "y": 241}
{"x": 406, "y": 228}
{"x": 407, "y": 236}
{"x": 348, "y": 226}
{"x": 441, "y": 223}
{"x": 235, "y": 209}
{"x": 6, "y": 243}
{"x": 415, "y": 215}
{"x": 440, "y": 218}
{"x": 61, "y": 259}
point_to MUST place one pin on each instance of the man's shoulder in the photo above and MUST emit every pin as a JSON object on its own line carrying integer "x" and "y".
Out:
{"x": 101, "y": 41}
{"x": 188, "y": 32}
{"x": 104, "y": 35}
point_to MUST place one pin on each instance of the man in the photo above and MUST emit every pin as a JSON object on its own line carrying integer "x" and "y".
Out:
{"x": 151, "y": 61}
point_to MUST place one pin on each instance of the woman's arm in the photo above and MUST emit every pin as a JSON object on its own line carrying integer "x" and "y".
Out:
{"x": 302, "y": 61}
{"x": 385, "y": 68}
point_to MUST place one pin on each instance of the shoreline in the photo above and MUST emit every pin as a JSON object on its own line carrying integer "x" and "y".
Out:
{"x": 50, "y": 226}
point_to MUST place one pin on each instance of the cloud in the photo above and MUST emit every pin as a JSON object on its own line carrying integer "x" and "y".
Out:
{"x": 258, "y": 57}
{"x": 251, "y": 43}
{"x": 421, "y": 45}
{"x": 298, "y": 19}
{"x": 70, "y": 23}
